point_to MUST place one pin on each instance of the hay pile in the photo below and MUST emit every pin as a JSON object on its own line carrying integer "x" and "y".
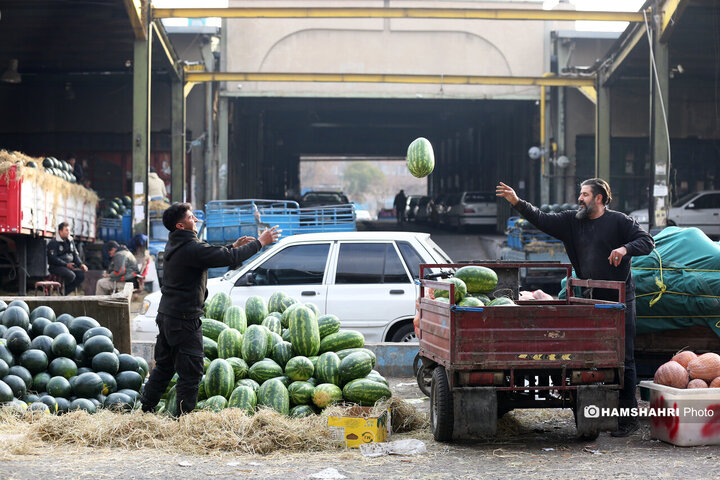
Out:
{"x": 203, "y": 432}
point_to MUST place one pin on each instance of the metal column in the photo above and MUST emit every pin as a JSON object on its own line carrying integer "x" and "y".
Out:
{"x": 602, "y": 131}
{"x": 222, "y": 150}
{"x": 141, "y": 132}
{"x": 177, "y": 191}
{"x": 660, "y": 140}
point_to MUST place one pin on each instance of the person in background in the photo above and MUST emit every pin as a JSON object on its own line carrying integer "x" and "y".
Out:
{"x": 77, "y": 168}
{"x": 400, "y": 203}
{"x": 156, "y": 186}
{"x": 64, "y": 261}
{"x": 179, "y": 344}
{"x": 146, "y": 265}
{"x": 600, "y": 244}
{"x": 123, "y": 268}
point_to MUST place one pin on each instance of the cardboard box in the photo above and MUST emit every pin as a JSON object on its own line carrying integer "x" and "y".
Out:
{"x": 691, "y": 417}
{"x": 358, "y": 427}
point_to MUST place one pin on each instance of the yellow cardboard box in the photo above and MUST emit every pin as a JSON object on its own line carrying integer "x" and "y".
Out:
{"x": 358, "y": 427}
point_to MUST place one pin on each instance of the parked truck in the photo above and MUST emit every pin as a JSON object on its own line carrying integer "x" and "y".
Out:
{"x": 33, "y": 202}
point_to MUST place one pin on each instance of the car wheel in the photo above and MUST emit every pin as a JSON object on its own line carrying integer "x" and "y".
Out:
{"x": 406, "y": 333}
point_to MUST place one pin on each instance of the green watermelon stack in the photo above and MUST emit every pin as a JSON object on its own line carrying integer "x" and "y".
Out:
{"x": 216, "y": 306}
{"x": 420, "y": 158}
{"x": 460, "y": 290}
{"x": 255, "y": 310}
{"x": 304, "y": 332}
{"x": 234, "y": 317}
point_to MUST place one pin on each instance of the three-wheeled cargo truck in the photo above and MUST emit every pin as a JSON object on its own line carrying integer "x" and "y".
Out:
{"x": 485, "y": 361}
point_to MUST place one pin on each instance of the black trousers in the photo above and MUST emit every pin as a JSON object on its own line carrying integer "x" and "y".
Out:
{"x": 179, "y": 348}
{"x": 627, "y": 394}
{"x": 71, "y": 278}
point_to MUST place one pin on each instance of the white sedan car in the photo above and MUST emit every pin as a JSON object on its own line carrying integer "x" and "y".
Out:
{"x": 699, "y": 209}
{"x": 365, "y": 278}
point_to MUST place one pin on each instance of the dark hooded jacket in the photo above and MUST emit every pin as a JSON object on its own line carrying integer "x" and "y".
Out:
{"x": 185, "y": 264}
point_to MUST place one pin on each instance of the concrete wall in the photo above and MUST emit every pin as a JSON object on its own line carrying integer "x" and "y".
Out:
{"x": 407, "y": 46}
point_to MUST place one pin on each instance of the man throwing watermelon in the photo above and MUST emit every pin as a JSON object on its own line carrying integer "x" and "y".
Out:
{"x": 179, "y": 344}
{"x": 600, "y": 243}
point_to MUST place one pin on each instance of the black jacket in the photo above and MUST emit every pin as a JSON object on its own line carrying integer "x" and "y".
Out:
{"x": 185, "y": 264}
{"x": 589, "y": 242}
{"x": 61, "y": 252}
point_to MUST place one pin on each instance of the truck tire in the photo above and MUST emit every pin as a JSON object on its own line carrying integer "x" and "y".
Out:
{"x": 442, "y": 417}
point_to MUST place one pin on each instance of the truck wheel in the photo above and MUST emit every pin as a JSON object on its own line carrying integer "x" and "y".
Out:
{"x": 424, "y": 380}
{"x": 441, "y": 406}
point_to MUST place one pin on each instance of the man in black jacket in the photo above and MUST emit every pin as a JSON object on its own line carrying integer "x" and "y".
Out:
{"x": 600, "y": 243}
{"x": 64, "y": 261}
{"x": 179, "y": 344}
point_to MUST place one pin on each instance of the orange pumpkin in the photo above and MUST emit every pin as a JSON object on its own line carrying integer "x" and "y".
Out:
{"x": 672, "y": 374}
{"x": 684, "y": 357}
{"x": 697, "y": 383}
{"x": 715, "y": 383}
{"x": 706, "y": 366}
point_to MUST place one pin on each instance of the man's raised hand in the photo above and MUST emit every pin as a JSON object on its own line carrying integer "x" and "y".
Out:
{"x": 507, "y": 193}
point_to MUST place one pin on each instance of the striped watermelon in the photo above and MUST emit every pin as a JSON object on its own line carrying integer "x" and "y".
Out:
{"x": 314, "y": 360}
{"x": 235, "y": 318}
{"x": 420, "y": 158}
{"x": 255, "y": 310}
{"x": 215, "y": 403}
{"x": 483, "y": 298}
{"x": 471, "y": 302}
{"x": 328, "y": 324}
{"x": 239, "y": 366}
{"x": 275, "y": 395}
{"x": 274, "y": 340}
{"x": 312, "y": 381}
{"x": 325, "y": 394}
{"x": 286, "y": 301}
{"x": 501, "y": 302}
{"x": 299, "y": 368}
{"x": 285, "y": 335}
{"x": 342, "y": 340}
{"x": 244, "y": 398}
{"x": 375, "y": 376}
{"x": 277, "y": 315}
{"x": 230, "y": 343}
{"x": 210, "y": 348}
{"x": 274, "y": 303}
{"x": 365, "y": 392}
{"x": 344, "y": 353}
{"x": 301, "y": 392}
{"x": 273, "y": 324}
{"x": 202, "y": 394}
{"x": 282, "y": 352}
{"x": 304, "y": 332}
{"x": 299, "y": 411}
{"x": 255, "y": 344}
{"x": 314, "y": 308}
{"x": 478, "y": 279}
{"x": 355, "y": 365}
{"x": 216, "y": 306}
{"x": 285, "y": 315}
{"x": 212, "y": 328}
{"x": 220, "y": 379}
{"x": 460, "y": 290}
{"x": 248, "y": 382}
{"x": 265, "y": 370}
{"x": 327, "y": 369}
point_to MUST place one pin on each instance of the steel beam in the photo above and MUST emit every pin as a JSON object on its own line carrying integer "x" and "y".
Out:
{"x": 602, "y": 133}
{"x": 168, "y": 50}
{"x": 198, "y": 77}
{"x": 671, "y": 11}
{"x": 660, "y": 142}
{"x": 637, "y": 35}
{"x": 590, "y": 93}
{"x": 178, "y": 182}
{"x": 136, "y": 11}
{"x": 141, "y": 133}
{"x": 444, "y": 13}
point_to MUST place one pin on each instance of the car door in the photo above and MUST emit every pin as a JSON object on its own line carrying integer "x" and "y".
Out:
{"x": 704, "y": 213}
{"x": 370, "y": 287}
{"x": 298, "y": 270}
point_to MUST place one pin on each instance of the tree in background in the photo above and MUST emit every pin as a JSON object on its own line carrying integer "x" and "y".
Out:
{"x": 362, "y": 180}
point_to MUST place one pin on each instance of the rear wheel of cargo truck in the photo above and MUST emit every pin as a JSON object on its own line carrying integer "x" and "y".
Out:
{"x": 442, "y": 417}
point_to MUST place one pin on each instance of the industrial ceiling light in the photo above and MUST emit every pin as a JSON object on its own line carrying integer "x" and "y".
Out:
{"x": 11, "y": 75}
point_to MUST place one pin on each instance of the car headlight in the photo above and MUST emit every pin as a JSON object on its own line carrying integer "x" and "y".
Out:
{"x": 145, "y": 307}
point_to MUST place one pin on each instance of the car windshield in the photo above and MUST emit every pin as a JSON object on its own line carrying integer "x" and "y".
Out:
{"x": 328, "y": 198}
{"x": 684, "y": 199}
{"x": 479, "y": 197}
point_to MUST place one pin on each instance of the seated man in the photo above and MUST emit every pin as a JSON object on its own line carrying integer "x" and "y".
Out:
{"x": 63, "y": 259}
{"x": 123, "y": 268}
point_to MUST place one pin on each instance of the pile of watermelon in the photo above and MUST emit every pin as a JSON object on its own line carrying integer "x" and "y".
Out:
{"x": 58, "y": 364}
{"x": 473, "y": 284}
{"x": 281, "y": 354}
